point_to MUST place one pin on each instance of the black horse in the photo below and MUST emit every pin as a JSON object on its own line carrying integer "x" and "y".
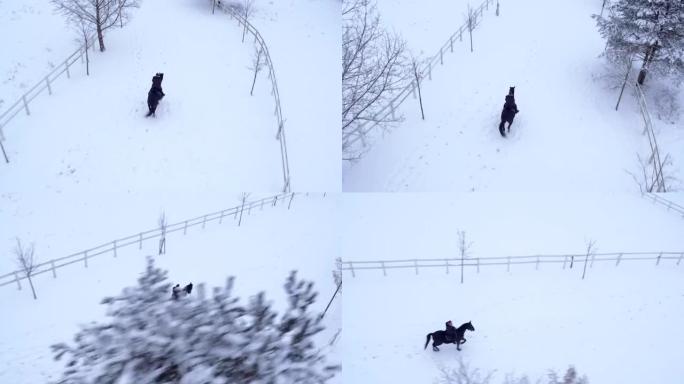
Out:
{"x": 155, "y": 94}
{"x": 510, "y": 109}
{"x": 442, "y": 337}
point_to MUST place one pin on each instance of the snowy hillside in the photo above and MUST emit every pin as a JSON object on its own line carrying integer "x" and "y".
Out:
{"x": 567, "y": 135}
{"x": 620, "y": 324}
{"x": 260, "y": 253}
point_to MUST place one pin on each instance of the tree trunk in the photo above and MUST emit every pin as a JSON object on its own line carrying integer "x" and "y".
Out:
{"x": 650, "y": 53}
{"x": 85, "y": 38}
{"x": 98, "y": 24}
{"x": 32, "y": 289}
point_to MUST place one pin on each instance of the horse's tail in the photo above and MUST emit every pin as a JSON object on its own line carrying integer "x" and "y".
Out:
{"x": 427, "y": 340}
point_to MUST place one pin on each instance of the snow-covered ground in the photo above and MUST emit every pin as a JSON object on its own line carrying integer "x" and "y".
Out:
{"x": 567, "y": 135}
{"x": 260, "y": 253}
{"x": 86, "y": 166}
{"x": 28, "y": 52}
{"x": 620, "y": 324}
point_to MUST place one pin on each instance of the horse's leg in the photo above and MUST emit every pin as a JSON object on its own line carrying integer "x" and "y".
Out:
{"x": 435, "y": 343}
{"x": 458, "y": 345}
{"x": 501, "y": 128}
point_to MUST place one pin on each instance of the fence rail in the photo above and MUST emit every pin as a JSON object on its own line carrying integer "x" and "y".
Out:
{"x": 350, "y": 138}
{"x": 139, "y": 238}
{"x": 657, "y": 198}
{"x": 22, "y": 104}
{"x": 259, "y": 40}
{"x": 654, "y": 157}
{"x": 568, "y": 260}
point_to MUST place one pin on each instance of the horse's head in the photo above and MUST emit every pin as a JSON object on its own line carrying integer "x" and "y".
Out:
{"x": 469, "y": 326}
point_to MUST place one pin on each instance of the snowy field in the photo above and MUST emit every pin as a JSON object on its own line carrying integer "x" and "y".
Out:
{"x": 619, "y": 325}
{"x": 260, "y": 253}
{"x": 567, "y": 135}
{"x": 81, "y": 175}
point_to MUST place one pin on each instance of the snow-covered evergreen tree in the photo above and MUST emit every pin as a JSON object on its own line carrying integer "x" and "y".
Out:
{"x": 651, "y": 31}
{"x": 154, "y": 339}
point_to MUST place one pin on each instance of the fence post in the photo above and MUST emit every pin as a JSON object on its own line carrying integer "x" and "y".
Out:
{"x": 16, "y": 278}
{"x": 451, "y": 43}
{"x": 28, "y": 113}
{"x": 441, "y": 56}
{"x": 565, "y": 260}
{"x": 185, "y": 228}
{"x": 204, "y": 221}
{"x": 275, "y": 200}
{"x": 430, "y": 70}
{"x": 114, "y": 247}
{"x": 47, "y": 81}
{"x": 85, "y": 258}
{"x": 446, "y": 263}
{"x": 66, "y": 62}
{"x": 536, "y": 268}
{"x": 54, "y": 272}
{"x": 618, "y": 260}
{"x": 478, "y": 265}
{"x": 384, "y": 273}
{"x": 509, "y": 264}
{"x": 680, "y": 258}
{"x": 290, "y": 203}
{"x": 658, "y": 259}
{"x": 351, "y": 267}
{"x": 140, "y": 245}
{"x": 415, "y": 263}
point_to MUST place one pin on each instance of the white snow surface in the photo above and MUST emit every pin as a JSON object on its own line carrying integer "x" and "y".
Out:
{"x": 86, "y": 166}
{"x": 567, "y": 135}
{"x": 260, "y": 254}
{"x": 619, "y": 325}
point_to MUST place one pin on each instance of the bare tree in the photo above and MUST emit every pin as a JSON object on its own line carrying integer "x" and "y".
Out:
{"x": 162, "y": 239}
{"x": 463, "y": 249}
{"x": 99, "y": 15}
{"x": 464, "y": 375}
{"x": 654, "y": 175}
{"x": 257, "y": 65}
{"x": 590, "y": 252}
{"x": 374, "y": 67}
{"x": 247, "y": 11}
{"x": 84, "y": 30}
{"x": 242, "y": 207}
{"x": 25, "y": 258}
{"x": 471, "y": 18}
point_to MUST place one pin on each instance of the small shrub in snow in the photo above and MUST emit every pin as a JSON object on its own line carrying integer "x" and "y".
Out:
{"x": 153, "y": 339}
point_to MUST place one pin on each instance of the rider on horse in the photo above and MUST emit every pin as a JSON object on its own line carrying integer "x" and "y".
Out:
{"x": 450, "y": 331}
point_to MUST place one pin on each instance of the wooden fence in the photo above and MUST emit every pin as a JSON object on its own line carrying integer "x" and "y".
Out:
{"x": 261, "y": 43}
{"x": 454, "y": 264}
{"x": 659, "y": 199}
{"x": 111, "y": 247}
{"x": 46, "y": 83}
{"x": 360, "y": 132}
{"x": 654, "y": 159}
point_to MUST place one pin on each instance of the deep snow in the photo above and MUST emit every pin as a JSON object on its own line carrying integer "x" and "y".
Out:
{"x": 567, "y": 135}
